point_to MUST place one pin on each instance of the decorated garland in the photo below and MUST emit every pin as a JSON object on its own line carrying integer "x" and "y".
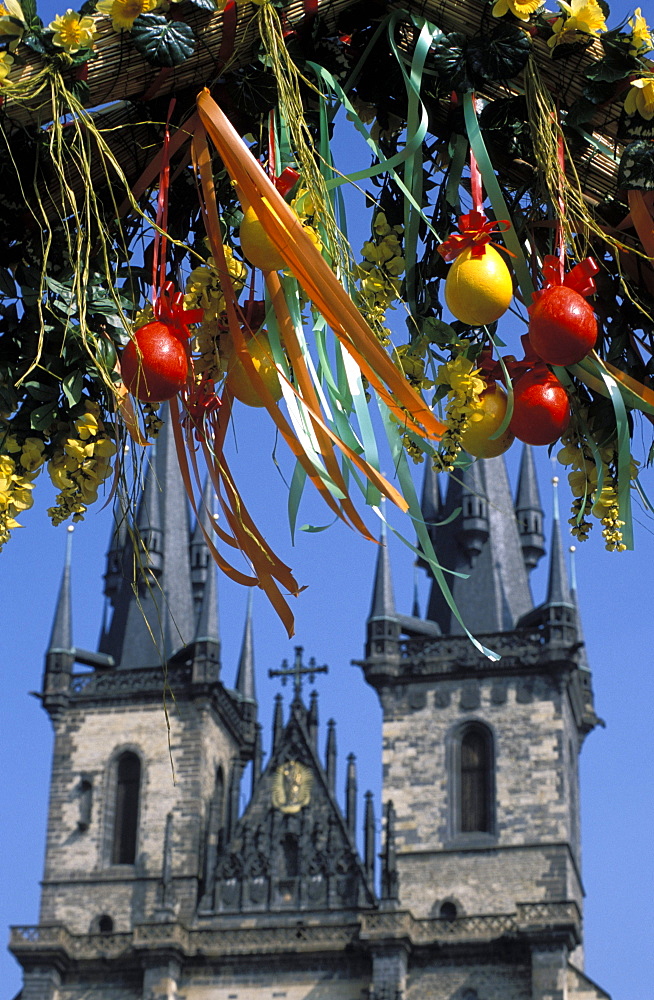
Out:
{"x": 194, "y": 249}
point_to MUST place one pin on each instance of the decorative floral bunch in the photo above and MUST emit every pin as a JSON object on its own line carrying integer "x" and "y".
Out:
{"x": 584, "y": 479}
{"x": 80, "y": 464}
{"x": 204, "y": 291}
{"x": 379, "y": 272}
{"x": 463, "y": 386}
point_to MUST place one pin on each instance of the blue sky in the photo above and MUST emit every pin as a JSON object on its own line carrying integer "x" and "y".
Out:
{"x": 615, "y": 598}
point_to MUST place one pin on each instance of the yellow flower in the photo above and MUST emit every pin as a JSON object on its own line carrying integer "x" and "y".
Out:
{"x": 123, "y": 13}
{"x": 6, "y": 62}
{"x": 522, "y": 9}
{"x": 72, "y": 32}
{"x": 31, "y": 457}
{"x": 583, "y": 15}
{"x": 641, "y": 36}
{"x": 640, "y": 98}
{"x": 87, "y": 426}
{"x": 12, "y": 21}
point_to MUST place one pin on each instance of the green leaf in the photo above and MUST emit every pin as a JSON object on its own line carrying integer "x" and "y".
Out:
{"x": 7, "y": 283}
{"x": 163, "y": 42}
{"x": 207, "y": 5}
{"x": 42, "y": 417}
{"x": 39, "y": 391}
{"x": 613, "y": 67}
{"x": 499, "y": 55}
{"x": 72, "y": 386}
{"x": 636, "y": 169}
{"x": 447, "y": 56}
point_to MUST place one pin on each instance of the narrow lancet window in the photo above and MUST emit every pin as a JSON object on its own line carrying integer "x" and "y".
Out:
{"x": 476, "y": 781}
{"x": 128, "y": 784}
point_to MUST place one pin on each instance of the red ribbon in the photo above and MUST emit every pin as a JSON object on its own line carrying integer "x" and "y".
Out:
{"x": 169, "y": 308}
{"x": 475, "y": 232}
{"x": 580, "y": 278}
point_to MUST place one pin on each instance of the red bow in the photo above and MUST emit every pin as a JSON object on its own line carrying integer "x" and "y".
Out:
{"x": 580, "y": 278}
{"x": 169, "y": 309}
{"x": 475, "y": 232}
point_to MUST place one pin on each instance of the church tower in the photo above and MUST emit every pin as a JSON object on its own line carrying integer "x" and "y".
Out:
{"x": 188, "y": 885}
{"x": 480, "y": 756}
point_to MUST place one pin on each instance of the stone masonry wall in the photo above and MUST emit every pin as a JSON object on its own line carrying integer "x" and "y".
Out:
{"x": 530, "y": 721}
{"x": 454, "y": 981}
{"x": 78, "y": 874}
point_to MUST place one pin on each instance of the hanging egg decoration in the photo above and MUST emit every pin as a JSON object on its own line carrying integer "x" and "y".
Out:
{"x": 484, "y": 421}
{"x": 562, "y": 326}
{"x": 541, "y": 408}
{"x": 258, "y": 249}
{"x": 154, "y": 364}
{"x": 478, "y": 287}
{"x": 238, "y": 384}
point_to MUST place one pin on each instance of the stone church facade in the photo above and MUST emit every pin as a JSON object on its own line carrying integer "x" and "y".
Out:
{"x": 162, "y": 891}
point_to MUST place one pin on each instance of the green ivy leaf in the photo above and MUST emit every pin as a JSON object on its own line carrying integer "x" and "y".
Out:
{"x": 613, "y": 67}
{"x": 208, "y": 5}
{"x": 636, "y": 169}
{"x": 499, "y": 55}
{"x": 163, "y": 42}
{"x": 447, "y": 56}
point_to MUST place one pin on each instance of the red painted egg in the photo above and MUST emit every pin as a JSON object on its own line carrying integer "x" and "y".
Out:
{"x": 161, "y": 368}
{"x": 541, "y": 409}
{"x": 562, "y": 326}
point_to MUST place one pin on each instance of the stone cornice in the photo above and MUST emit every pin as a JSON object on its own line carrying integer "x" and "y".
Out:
{"x": 221, "y": 938}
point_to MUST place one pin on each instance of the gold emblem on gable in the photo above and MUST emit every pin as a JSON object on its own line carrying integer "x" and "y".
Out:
{"x": 291, "y": 787}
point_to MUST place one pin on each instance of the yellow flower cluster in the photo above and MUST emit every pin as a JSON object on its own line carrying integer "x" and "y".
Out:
{"x": 20, "y": 464}
{"x": 81, "y": 462}
{"x": 72, "y": 32}
{"x": 641, "y": 35}
{"x": 305, "y": 210}
{"x": 123, "y": 13}
{"x": 640, "y": 99}
{"x": 12, "y": 23}
{"x": 584, "y": 479}
{"x": 203, "y": 291}
{"x": 584, "y": 16}
{"x": 379, "y": 272}
{"x": 522, "y": 9}
{"x": 465, "y": 388}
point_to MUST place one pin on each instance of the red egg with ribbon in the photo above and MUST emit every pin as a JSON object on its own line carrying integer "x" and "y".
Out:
{"x": 154, "y": 365}
{"x": 562, "y": 324}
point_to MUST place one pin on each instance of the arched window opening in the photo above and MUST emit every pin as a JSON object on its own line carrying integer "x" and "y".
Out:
{"x": 128, "y": 783}
{"x": 105, "y": 924}
{"x": 447, "y": 911}
{"x": 476, "y": 781}
{"x": 291, "y": 851}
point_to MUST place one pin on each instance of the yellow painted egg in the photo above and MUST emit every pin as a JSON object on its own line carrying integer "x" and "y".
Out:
{"x": 476, "y": 438}
{"x": 478, "y": 290}
{"x": 238, "y": 384}
{"x": 257, "y": 246}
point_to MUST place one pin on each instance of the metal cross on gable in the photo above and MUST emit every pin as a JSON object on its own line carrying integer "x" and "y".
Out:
{"x": 298, "y": 671}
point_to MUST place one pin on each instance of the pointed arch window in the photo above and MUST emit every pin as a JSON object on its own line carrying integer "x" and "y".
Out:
{"x": 475, "y": 780}
{"x": 126, "y": 816}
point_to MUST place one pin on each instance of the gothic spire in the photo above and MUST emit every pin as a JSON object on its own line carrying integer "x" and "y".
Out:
{"x": 430, "y": 502}
{"x": 529, "y": 512}
{"x": 61, "y": 637}
{"x": 245, "y": 674}
{"x": 495, "y": 593}
{"x": 201, "y": 562}
{"x": 383, "y": 601}
{"x": 157, "y": 620}
{"x": 557, "y": 583}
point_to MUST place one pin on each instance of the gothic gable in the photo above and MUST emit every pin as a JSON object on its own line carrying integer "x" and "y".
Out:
{"x": 292, "y": 849}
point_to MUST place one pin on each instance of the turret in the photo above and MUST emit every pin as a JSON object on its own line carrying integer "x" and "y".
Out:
{"x": 60, "y": 655}
{"x": 473, "y": 528}
{"x": 528, "y": 511}
{"x": 383, "y": 627}
{"x": 245, "y": 674}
